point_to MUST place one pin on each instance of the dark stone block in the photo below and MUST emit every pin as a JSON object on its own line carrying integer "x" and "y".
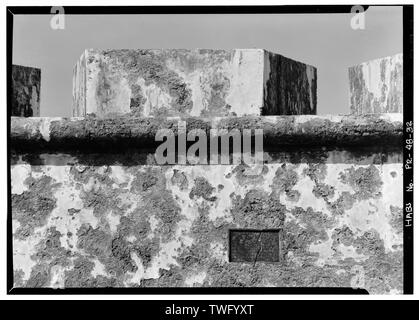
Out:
{"x": 26, "y": 84}
{"x": 254, "y": 246}
{"x": 290, "y": 87}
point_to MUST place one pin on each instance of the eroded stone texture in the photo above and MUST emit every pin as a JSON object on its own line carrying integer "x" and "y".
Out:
{"x": 119, "y": 224}
{"x": 26, "y": 84}
{"x": 293, "y": 131}
{"x": 201, "y": 82}
{"x": 377, "y": 86}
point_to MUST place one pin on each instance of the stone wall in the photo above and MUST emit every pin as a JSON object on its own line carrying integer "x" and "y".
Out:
{"x": 91, "y": 208}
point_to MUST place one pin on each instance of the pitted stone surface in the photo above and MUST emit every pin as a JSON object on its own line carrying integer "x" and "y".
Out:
{"x": 115, "y": 224}
{"x": 123, "y": 132}
{"x": 201, "y": 82}
{"x": 377, "y": 86}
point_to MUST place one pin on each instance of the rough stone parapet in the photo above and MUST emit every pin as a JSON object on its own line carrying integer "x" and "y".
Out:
{"x": 200, "y": 82}
{"x": 92, "y": 208}
{"x": 62, "y": 133}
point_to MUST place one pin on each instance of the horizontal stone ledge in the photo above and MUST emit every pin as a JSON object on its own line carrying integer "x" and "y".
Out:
{"x": 293, "y": 131}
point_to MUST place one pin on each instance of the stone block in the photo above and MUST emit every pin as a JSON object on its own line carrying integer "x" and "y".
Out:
{"x": 180, "y": 82}
{"x": 376, "y": 86}
{"x": 26, "y": 84}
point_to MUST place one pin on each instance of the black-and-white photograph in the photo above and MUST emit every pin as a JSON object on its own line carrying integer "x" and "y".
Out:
{"x": 210, "y": 150}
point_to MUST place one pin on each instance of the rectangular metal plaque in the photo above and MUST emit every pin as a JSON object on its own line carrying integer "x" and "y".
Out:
{"x": 254, "y": 245}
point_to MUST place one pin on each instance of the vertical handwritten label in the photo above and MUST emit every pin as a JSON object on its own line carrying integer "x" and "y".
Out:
{"x": 408, "y": 166}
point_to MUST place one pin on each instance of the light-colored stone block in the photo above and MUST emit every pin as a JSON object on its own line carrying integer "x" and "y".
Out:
{"x": 200, "y": 82}
{"x": 376, "y": 86}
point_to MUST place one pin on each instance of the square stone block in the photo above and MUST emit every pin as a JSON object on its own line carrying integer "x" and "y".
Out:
{"x": 200, "y": 82}
{"x": 26, "y": 84}
{"x": 376, "y": 86}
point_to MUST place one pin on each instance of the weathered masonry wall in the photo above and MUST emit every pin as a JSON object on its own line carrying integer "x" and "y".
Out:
{"x": 26, "y": 84}
{"x": 376, "y": 86}
{"x": 201, "y": 82}
{"x": 92, "y": 209}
